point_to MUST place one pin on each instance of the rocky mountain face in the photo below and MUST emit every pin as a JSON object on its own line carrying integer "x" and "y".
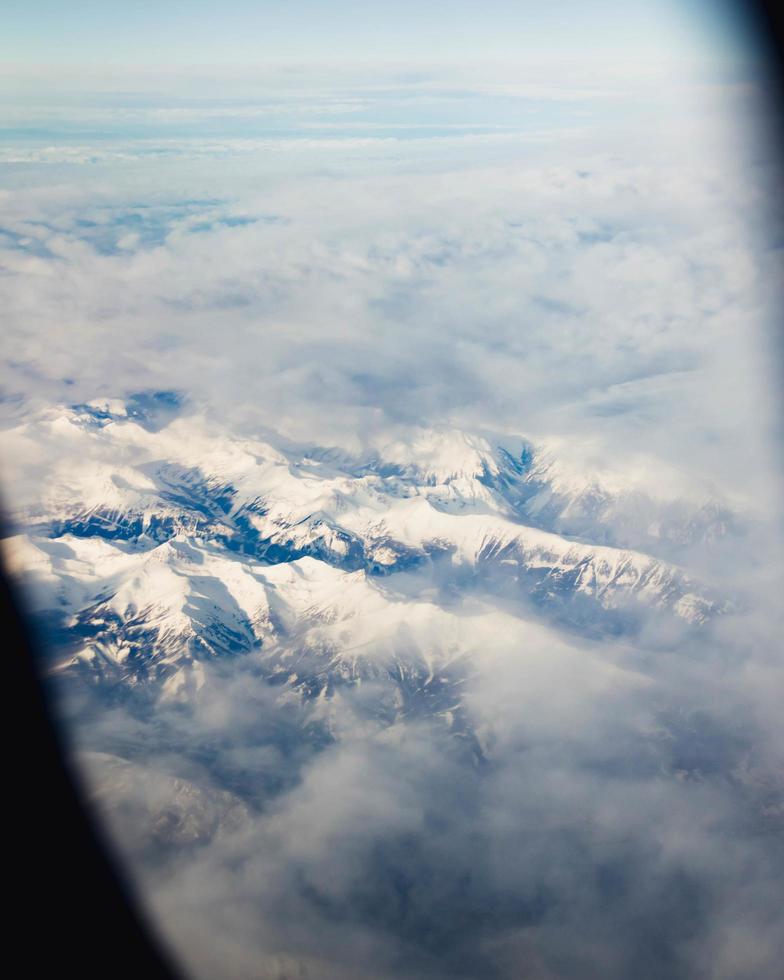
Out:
{"x": 172, "y": 547}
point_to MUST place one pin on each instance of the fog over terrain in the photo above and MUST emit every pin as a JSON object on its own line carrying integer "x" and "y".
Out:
{"x": 391, "y": 463}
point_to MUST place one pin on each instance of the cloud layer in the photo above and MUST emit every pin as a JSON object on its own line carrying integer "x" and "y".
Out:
{"x": 598, "y": 281}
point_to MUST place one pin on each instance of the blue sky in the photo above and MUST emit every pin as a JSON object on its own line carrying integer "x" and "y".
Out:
{"x": 92, "y": 71}
{"x": 89, "y": 33}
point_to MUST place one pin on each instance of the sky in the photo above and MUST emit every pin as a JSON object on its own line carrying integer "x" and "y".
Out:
{"x": 342, "y": 227}
{"x": 143, "y": 33}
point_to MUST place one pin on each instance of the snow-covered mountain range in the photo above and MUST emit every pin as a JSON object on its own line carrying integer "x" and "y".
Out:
{"x": 172, "y": 545}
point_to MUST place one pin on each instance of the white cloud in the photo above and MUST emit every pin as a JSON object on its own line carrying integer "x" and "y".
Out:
{"x": 602, "y": 285}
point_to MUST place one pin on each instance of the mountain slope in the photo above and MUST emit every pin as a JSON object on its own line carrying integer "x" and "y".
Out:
{"x": 173, "y": 545}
